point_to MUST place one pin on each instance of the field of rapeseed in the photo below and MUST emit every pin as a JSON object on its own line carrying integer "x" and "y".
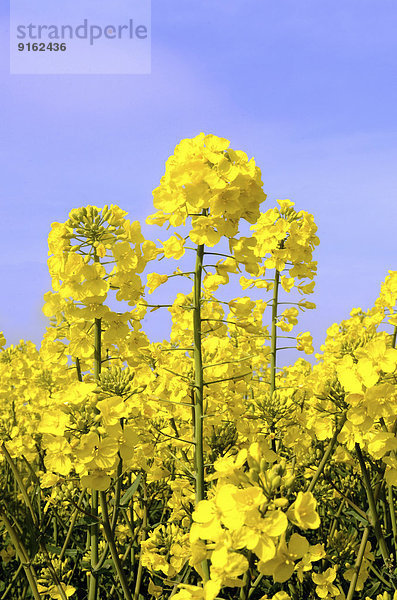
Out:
{"x": 197, "y": 468}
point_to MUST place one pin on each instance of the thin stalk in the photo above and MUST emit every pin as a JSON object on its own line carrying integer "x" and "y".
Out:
{"x": 35, "y": 519}
{"x": 114, "y": 516}
{"x": 131, "y": 523}
{"x": 13, "y": 580}
{"x": 372, "y": 508}
{"x": 93, "y": 533}
{"x": 94, "y": 527}
{"x": 335, "y": 521}
{"x": 357, "y": 564}
{"x": 228, "y": 378}
{"x": 273, "y": 347}
{"x": 198, "y": 378}
{"x": 123, "y": 559}
{"x": 198, "y": 387}
{"x": 37, "y": 491}
{"x": 327, "y": 453}
{"x": 138, "y": 580}
{"x": 360, "y": 555}
{"x": 54, "y": 574}
{"x": 22, "y": 555}
{"x": 78, "y": 369}
{"x": 183, "y": 578}
{"x": 354, "y": 506}
{"x": 244, "y": 591}
{"x": 55, "y": 529}
{"x": 385, "y": 511}
{"x": 19, "y": 481}
{"x": 112, "y": 545}
{"x": 117, "y": 494}
{"x": 378, "y": 575}
{"x": 72, "y": 522}
{"x": 390, "y": 499}
{"x": 392, "y": 516}
{"x": 97, "y": 348}
{"x": 255, "y": 584}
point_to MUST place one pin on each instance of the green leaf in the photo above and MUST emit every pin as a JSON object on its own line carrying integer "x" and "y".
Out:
{"x": 374, "y": 588}
{"x": 107, "y": 565}
{"x": 72, "y": 552}
{"x": 130, "y": 492}
{"x": 53, "y": 549}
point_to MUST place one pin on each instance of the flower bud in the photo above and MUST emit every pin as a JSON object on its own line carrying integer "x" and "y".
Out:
{"x": 288, "y": 481}
{"x": 253, "y": 475}
{"x": 276, "y": 482}
{"x": 263, "y": 465}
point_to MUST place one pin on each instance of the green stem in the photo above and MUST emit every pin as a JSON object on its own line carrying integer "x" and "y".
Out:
{"x": 94, "y": 527}
{"x": 11, "y": 584}
{"x": 25, "y": 495}
{"x": 357, "y": 564}
{"x": 138, "y": 580}
{"x": 114, "y": 516}
{"x": 97, "y": 348}
{"x": 22, "y": 555}
{"x": 255, "y": 584}
{"x": 93, "y": 533}
{"x": 361, "y": 552}
{"x": 335, "y": 521}
{"x": 72, "y": 522}
{"x": 124, "y": 558}
{"x": 198, "y": 387}
{"x": 117, "y": 494}
{"x": 379, "y": 575}
{"x": 78, "y": 369}
{"x": 19, "y": 481}
{"x": 273, "y": 347}
{"x": 372, "y": 508}
{"x": 54, "y": 574}
{"x": 392, "y": 516}
{"x": 112, "y": 545}
{"x": 244, "y": 591}
{"x": 198, "y": 378}
{"x": 327, "y": 453}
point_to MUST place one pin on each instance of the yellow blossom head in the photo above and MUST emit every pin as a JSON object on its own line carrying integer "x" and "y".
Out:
{"x": 212, "y": 183}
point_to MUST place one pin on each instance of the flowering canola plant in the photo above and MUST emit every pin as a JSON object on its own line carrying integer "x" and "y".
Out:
{"x": 196, "y": 468}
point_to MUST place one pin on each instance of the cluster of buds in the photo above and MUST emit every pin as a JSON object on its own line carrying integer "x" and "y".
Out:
{"x": 116, "y": 381}
{"x": 270, "y": 478}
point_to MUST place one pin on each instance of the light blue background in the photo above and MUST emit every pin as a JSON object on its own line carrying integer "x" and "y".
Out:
{"x": 308, "y": 88}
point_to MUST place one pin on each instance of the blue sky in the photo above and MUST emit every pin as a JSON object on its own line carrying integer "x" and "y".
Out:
{"x": 308, "y": 88}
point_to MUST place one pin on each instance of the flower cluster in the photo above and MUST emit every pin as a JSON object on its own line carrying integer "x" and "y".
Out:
{"x": 196, "y": 468}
